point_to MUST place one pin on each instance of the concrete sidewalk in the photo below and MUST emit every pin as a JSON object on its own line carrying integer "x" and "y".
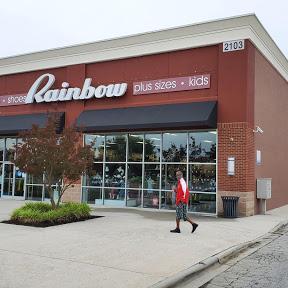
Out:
{"x": 126, "y": 248}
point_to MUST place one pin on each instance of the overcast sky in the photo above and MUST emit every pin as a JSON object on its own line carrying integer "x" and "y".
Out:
{"x": 33, "y": 25}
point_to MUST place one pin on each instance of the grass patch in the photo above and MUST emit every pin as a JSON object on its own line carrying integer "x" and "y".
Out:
{"x": 41, "y": 214}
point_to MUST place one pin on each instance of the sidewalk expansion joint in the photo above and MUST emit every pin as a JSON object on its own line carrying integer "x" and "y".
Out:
{"x": 78, "y": 262}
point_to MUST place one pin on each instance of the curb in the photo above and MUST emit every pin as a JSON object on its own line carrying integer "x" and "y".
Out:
{"x": 219, "y": 258}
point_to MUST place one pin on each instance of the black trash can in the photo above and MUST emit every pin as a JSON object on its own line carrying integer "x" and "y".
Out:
{"x": 230, "y": 206}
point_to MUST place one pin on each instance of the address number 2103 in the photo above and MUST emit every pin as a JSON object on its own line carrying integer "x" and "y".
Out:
{"x": 233, "y": 45}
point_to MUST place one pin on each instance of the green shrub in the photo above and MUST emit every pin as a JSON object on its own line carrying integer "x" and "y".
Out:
{"x": 37, "y": 213}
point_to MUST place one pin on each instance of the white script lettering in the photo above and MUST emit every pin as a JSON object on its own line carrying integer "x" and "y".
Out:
{"x": 66, "y": 93}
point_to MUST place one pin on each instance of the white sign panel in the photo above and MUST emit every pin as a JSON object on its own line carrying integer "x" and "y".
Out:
{"x": 258, "y": 157}
{"x": 231, "y": 166}
{"x": 233, "y": 45}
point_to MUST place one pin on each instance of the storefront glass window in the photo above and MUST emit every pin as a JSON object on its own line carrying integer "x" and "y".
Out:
{"x": 134, "y": 197}
{"x": 168, "y": 175}
{"x": 34, "y": 179}
{"x": 34, "y": 192}
{"x": 152, "y": 176}
{"x": 151, "y": 198}
{"x": 135, "y": 181}
{"x": 202, "y": 178}
{"x": 1, "y": 176}
{"x": 97, "y": 142}
{"x": 134, "y": 176}
{"x": 10, "y": 149}
{"x": 135, "y": 144}
{"x": 202, "y": 147}
{"x": 95, "y": 177}
{"x": 115, "y": 175}
{"x": 116, "y": 148}
{"x": 92, "y": 195}
{"x": 168, "y": 197}
{"x": 2, "y": 149}
{"x": 204, "y": 203}
{"x": 19, "y": 182}
{"x": 174, "y": 147}
{"x": 152, "y": 147}
{"x": 114, "y": 196}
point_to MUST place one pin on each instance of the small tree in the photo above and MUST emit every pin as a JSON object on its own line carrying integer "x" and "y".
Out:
{"x": 61, "y": 158}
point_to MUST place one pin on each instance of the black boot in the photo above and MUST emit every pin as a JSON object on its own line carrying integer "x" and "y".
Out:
{"x": 176, "y": 230}
{"x": 194, "y": 225}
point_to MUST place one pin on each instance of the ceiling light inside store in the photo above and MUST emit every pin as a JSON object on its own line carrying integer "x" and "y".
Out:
{"x": 171, "y": 134}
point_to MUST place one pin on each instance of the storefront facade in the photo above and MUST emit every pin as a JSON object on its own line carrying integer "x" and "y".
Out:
{"x": 154, "y": 103}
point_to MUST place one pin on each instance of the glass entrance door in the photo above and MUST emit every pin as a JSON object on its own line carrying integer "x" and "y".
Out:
{"x": 12, "y": 181}
{"x": 19, "y": 183}
{"x": 8, "y": 178}
{"x": 1, "y": 177}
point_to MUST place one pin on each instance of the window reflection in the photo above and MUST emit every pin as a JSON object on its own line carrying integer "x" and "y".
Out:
{"x": 34, "y": 179}
{"x": 202, "y": 147}
{"x": 97, "y": 142}
{"x": 174, "y": 147}
{"x": 2, "y": 149}
{"x": 116, "y": 148}
{"x": 152, "y": 147}
{"x": 10, "y": 149}
{"x": 135, "y": 144}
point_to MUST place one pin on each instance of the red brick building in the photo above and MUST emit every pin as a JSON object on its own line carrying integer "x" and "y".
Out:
{"x": 191, "y": 98}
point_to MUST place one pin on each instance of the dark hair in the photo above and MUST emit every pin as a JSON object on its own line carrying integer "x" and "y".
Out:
{"x": 178, "y": 170}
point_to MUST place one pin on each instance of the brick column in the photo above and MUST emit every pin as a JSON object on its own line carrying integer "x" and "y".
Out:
{"x": 73, "y": 194}
{"x": 237, "y": 140}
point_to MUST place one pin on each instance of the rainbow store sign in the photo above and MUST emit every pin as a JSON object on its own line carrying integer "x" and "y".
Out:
{"x": 66, "y": 93}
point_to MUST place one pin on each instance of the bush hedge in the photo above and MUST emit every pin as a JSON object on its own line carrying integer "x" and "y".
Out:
{"x": 42, "y": 214}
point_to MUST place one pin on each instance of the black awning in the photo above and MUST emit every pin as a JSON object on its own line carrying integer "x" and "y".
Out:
{"x": 192, "y": 115}
{"x": 11, "y": 125}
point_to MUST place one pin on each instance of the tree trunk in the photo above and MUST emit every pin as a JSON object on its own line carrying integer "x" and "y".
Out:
{"x": 59, "y": 190}
{"x": 51, "y": 194}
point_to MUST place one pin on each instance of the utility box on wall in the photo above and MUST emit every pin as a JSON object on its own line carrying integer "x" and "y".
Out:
{"x": 264, "y": 187}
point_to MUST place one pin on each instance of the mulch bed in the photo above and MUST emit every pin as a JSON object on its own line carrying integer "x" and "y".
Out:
{"x": 47, "y": 223}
